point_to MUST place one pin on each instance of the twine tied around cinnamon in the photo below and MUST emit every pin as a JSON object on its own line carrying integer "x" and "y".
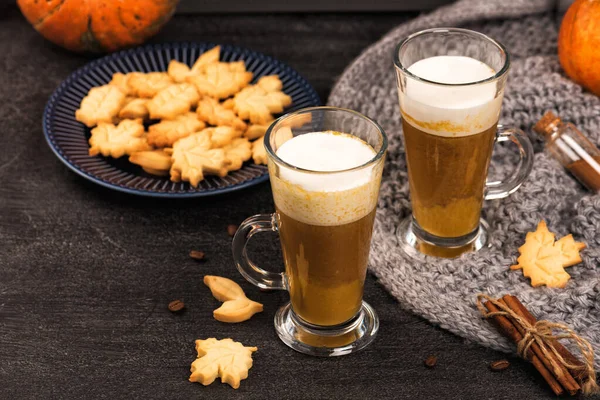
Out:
{"x": 541, "y": 334}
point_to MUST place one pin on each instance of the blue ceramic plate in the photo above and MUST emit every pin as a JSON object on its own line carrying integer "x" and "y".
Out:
{"x": 68, "y": 138}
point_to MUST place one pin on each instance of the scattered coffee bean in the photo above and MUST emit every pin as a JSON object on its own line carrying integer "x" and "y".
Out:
{"x": 231, "y": 230}
{"x": 197, "y": 255}
{"x": 176, "y": 306}
{"x": 430, "y": 361}
{"x": 499, "y": 365}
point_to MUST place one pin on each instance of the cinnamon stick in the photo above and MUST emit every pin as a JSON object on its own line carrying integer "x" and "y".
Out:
{"x": 578, "y": 373}
{"x": 506, "y": 327}
{"x": 562, "y": 375}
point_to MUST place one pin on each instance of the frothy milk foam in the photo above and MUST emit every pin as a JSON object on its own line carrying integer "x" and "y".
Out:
{"x": 325, "y": 199}
{"x": 451, "y": 110}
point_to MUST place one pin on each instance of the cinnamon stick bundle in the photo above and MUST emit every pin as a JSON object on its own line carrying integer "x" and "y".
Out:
{"x": 515, "y": 322}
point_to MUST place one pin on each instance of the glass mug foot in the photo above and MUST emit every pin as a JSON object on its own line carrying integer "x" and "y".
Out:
{"x": 416, "y": 243}
{"x": 339, "y": 340}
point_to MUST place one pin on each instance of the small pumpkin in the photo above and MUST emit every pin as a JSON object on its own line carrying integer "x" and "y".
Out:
{"x": 579, "y": 44}
{"x": 96, "y": 25}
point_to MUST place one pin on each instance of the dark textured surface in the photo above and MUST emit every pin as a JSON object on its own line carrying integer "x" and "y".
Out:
{"x": 86, "y": 274}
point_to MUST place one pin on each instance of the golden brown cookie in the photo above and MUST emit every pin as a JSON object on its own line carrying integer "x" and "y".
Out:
{"x": 259, "y": 153}
{"x": 212, "y": 112}
{"x": 223, "y": 135}
{"x": 236, "y": 152}
{"x": 178, "y": 71}
{"x": 117, "y": 141}
{"x": 220, "y": 80}
{"x": 173, "y": 100}
{"x": 209, "y": 57}
{"x": 121, "y": 81}
{"x": 221, "y": 358}
{"x": 258, "y": 105}
{"x": 270, "y": 83}
{"x": 134, "y": 108}
{"x": 149, "y": 84}
{"x": 102, "y": 104}
{"x": 543, "y": 260}
{"x": 152, "y": 160}
{"x": 255, "y": 131}
{"x": 167, "y": 132}
{"x": 193, "y": 158}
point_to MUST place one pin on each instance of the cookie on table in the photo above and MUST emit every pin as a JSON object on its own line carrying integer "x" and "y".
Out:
{"x": 172, "y": 101}
{"x": 213, "y": 113}
{"x": 102, "y": 104}
{"x": 167, "y": 132}
{"x": 115, "y": 141}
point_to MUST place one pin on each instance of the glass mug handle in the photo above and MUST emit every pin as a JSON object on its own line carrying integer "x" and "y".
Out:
{"x": 249, "y": 270}
{"x": 502, "y": 189}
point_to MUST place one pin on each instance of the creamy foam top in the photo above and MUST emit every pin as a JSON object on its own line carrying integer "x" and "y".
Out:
{"x": 451, "y": 110}
{"x": 325, "y": 199}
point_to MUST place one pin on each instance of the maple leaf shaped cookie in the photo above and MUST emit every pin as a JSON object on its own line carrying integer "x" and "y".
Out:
{"x": 116, "y": 141}
{"x": 134, "y": 108}
{"x": 236, "y": 152}
{"x": 148, "y": 85}
{"x": 543, "y": 260}
{"x": 101, "y": 104}
{"x": 212, "y": 112}
{"x": 258, "y": 105}
{"x": 210, "y": 57}
{"x": 173, "y": 101}
{"x": 155, "y": 162}
{"x": 167, "y": 132}
{"x": 222, "y": 135}
{"x": 255, "y": 131}
{"x": 193, "y": 158}
{"x": 221, "y": 80}
{"x": 225, "y": 358}
{"x": 121, "y": 81}
{"x": 178, "y": 71}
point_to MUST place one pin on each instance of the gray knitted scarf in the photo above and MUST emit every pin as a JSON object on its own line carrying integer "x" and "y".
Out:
{"x": 444, "y": 291}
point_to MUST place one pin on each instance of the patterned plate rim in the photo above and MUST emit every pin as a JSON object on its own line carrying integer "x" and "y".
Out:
{"x": 74, "y": 76}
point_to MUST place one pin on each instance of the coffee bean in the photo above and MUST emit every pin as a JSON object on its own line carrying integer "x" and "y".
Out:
{"x": 499, "y": 365}
{"x": 197, "y": 255}
{"x": 430, "y": 361}
{"x": 231, "y": 230}
{"x": 176, "y": 306}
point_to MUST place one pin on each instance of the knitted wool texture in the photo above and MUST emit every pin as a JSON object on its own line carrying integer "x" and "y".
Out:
{"x": 444, "y": 290}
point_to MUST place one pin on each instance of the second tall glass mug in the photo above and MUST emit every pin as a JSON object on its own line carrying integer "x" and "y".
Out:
{"x": 450, "y": 85}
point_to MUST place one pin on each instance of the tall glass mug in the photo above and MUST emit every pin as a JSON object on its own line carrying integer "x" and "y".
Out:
{"x": 450, "y": 86}
{"x": 325, "y": 167}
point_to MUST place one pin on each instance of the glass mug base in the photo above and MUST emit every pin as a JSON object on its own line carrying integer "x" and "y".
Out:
{"x": 415, "y": 242}
{"x": 330, "y": 341}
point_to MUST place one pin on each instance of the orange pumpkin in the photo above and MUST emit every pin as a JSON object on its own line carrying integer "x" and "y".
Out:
{"x": 579, "y": 44}
{"x": 96, "y": 25}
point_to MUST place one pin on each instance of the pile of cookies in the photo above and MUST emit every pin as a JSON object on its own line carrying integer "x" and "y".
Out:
{"x": 205, "y": 120}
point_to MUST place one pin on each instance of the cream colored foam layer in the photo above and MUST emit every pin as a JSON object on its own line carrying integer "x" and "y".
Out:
{"x": 330, "y": 199}
{"x": 451, "y": 110}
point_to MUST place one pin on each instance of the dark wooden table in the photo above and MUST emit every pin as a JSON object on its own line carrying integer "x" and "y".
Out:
{"x": 86, "y": 273}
